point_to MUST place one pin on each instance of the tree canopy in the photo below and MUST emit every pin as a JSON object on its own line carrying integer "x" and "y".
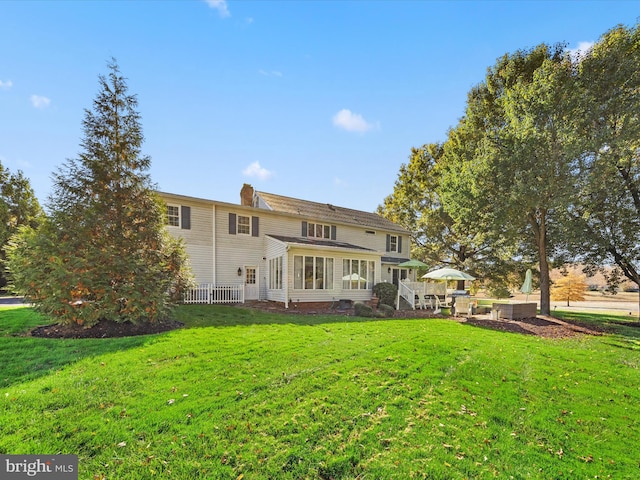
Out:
{"x": 18, "y": 206}
{"x": 606, "y": 214}
{"x": 543, "y": 166}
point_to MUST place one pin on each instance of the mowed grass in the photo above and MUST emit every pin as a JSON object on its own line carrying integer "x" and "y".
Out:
{"x": 243, "y": 394}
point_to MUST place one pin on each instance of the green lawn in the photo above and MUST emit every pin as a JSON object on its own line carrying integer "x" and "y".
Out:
{"x": 243, "y": 394}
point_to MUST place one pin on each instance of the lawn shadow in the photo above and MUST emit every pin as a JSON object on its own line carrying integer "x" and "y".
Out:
{"x": 26, "y": 358}
{"x": 616, "y": 326}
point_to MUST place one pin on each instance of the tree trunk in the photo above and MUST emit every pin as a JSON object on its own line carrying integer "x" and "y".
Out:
{"x": 538, "y": 224}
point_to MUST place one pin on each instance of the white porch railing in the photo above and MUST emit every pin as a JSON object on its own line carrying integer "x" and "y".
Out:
{"x": 209, "y": 293}
{"x": 405, "y": 291}
{"x": 410, "y": 290}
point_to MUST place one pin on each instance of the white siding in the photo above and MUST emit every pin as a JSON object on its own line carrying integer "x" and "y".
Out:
{"x": 337, "y": 293}
{"x": 198, "y": 239}
{"x": 274, "y": 249}
{"x": 217, "y": 259}
{"x": 235, "y": 251}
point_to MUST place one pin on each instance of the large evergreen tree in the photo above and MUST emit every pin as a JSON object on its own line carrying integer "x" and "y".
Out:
{"x": 104, "y": 251}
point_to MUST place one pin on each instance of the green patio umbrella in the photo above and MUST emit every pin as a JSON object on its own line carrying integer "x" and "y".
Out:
{"x": 412, "y": 264}
{"x": 527, "y": 286}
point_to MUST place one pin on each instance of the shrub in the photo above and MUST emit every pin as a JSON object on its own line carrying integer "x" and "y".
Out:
{"x": 497, "y": 290}
{"x": 386, "y": 293}
{"x": 386, "y": 311}
{"x": 362, "y": 310}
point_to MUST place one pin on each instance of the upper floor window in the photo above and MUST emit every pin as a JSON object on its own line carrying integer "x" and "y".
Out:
{"x": 244, "y": 225}
{"x": 318, "y": 230}
{"x": 179, "y": 216}
{"x": 173, "y": 216}
{"x": 394, "y": 243}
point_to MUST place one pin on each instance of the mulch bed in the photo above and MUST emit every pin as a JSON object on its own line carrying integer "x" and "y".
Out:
{"x": 105, "y": 329}
{"x": 542, "y": 326}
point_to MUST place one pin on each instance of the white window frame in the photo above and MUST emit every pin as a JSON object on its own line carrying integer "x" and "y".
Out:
{"x": 241, "y": 228}
{"x": 313, "y": 228}
{"x": 322, "y": 280}
{"x": 275, "y": 273}
{"x": 360, "y": 268}
{"x": 176, "y": 216}
{"x": 393, "y": 243}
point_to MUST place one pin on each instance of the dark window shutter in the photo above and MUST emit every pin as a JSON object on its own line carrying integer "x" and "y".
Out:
{"x": 388, "y": 242}
{"x": 304, "y": 229}
{"x": 185, "y": 217}
{"x": 255, "y": 222}
{"x": 399, "y": 244}
{"x": 333, "y": 232}
{"x": 232, "y": 224}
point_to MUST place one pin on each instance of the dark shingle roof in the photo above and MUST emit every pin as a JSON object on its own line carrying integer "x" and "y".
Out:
{"x": 318, "y": 242}
{"x": 327, "y": 212}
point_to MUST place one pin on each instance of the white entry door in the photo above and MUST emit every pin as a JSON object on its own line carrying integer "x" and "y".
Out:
{"x": 251, "y": 284}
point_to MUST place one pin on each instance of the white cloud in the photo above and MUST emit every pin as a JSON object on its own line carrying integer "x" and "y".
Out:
{"x": 580, "y": 50}
{"x": 20, "y": 164}
{"x": 352, "y": 122}
{"x": 6, "y": 85}
{"x": 339, "y": 182}
{"x": 255, "y": 170}
{"x": 221, "y": 6}
{"x": 39, "y": 101}
{"x": 270, "y": 73}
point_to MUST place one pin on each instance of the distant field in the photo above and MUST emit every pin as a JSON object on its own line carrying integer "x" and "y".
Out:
{"x": 239, "y": 394}
{"x": 623, "y": 303}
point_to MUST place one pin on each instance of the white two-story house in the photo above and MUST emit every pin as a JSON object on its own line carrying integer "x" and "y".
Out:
{"x": 287, "y": 250}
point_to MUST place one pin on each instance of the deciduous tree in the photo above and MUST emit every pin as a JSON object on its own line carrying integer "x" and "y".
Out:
{"x": 570, "y": 287}
{"x": 606, "y": 213}
{"x": 18, "y": 206}
{"x": 523, "y": 154}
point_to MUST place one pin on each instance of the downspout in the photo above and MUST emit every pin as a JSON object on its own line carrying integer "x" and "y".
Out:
{"x": 285, "y": 280}
{"x": 213, "y": 244}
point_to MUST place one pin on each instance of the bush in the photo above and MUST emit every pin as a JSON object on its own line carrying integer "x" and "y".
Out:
{"x": 385, "y": 311}
{"x": 497, "y": 290}
{"x": 362, "y": 310}
{"x": 386, "y": 293}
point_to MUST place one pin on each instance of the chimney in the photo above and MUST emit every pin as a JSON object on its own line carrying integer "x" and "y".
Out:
{"x": 246, "y": 195}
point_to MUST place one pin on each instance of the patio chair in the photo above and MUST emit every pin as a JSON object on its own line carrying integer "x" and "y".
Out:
{"x": 421, "y": 301}
{"x": 439, "y": 304}
{"x": 462, "y": 306}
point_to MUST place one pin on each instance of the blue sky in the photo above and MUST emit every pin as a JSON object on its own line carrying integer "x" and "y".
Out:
{"x": 320, "y": 100}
